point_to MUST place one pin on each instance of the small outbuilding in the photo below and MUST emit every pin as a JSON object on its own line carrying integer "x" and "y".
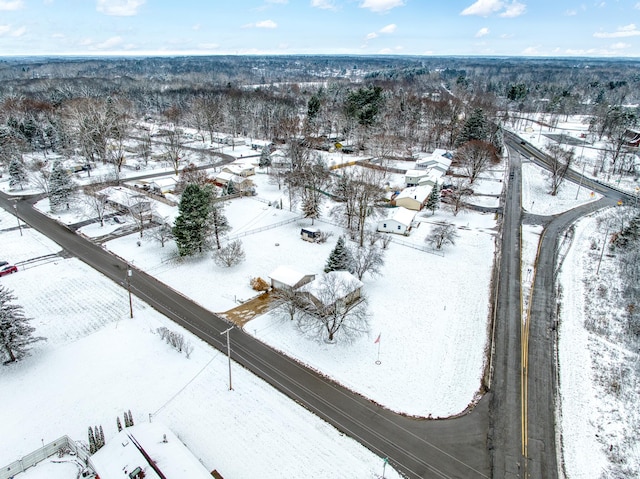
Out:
{"x": 310, "y": 234}
{"x": 399, "y": 221}
{"x": 413, "y": 198}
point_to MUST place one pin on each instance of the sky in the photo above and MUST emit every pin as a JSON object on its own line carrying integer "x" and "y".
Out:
{"x": 356, "y": 27}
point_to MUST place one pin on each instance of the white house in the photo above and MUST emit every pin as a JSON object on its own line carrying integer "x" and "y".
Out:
{"x": 149, "y": 451}
{"x": 413, "y": 177}
{"x": 439, "y": 159}
{"x": 285, "y": 277}
{"x": 399, "y": 221}
{"x": 413, "y": 198}
{"x": 240, "y": 169}
{"x": 280, "y": 160}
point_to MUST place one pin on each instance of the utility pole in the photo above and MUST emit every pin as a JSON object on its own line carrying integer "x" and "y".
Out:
{"x": 15, "y": 209}
{"x": 581, "y": 177}
{"x": 602, "y": 251}
{"x": 129, "y": 273}
{"x": 228, "y": 354}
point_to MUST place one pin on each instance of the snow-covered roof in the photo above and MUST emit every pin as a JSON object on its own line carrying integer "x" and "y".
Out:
{"x": 341, "y": 283}
{"x": 416, "y": 173}
{"x": 418, "y": 193}
{"x": 121, "y": 455}
{"x": 402, "y": 215}
{"x": 287, "y": 275}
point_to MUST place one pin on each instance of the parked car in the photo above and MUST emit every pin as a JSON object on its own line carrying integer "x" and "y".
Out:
{"x": 3, "y": 263}
{"x": 8, "y": 269}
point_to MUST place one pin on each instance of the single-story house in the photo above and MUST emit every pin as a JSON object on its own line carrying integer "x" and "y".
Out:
{"x": 334, "y": 289}
{"x": 231, "y": 141}
{"x": 240, "y": 169}
{"x": 413, "y": 198}
{"x": 285, "y": 277}
{"x": 147, "y": 450}
{"x": 413, "y": 177}
{"x": 399, "y": 221}
{"x": 240, "y": 183}
{"x": 280, "y": 160}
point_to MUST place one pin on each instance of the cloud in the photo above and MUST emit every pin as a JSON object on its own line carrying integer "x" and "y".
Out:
{"x": 5, "y": 29}
{"x": 323, "y": 4}
{"x": 622, "y": 32}
{"x": 109, "y": 43}
{"x": 19, "y": 32}
{"x": 380, "y": 6}
{"x": 11, "y": 5}
{"x": 119, "y": 8}
{"x": 484, "y": 8}
{"x": 389, "y": 28}
{"x": 8, "y": 30}
{"x": 620, "y": 46}
{"x": 482, "y": 32}
{"x": 196, "y": 27}
{"x": 209, "y": 46}
{"x": 637, "y": 6}
{"x": 277, "y": 2}
{"x": 571, "y": 13}
{"x": 513, "y": 10}
{"x": 371, "y": 36}
{"x": 262, "y": 24}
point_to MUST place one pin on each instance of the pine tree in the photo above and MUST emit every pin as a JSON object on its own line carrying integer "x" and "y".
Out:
{"x": 126, "y": 420}
{"x": 265, "y": 157}
{"x": 102, "y": 441}
{"x": 311, "y": 206}
{"x": 119, "y": 424}
{"x": 15, "y": 331}
{"x": 17, "y": 173}
{"x": 130, "y": 418}
{"x": 219, "y": 222}
{"x": 340, "y": 258}
{"x": 92, "y": 442}
{"x": 61, "y": 187}
{"x": 475, "y": 128}
{"x": 192, "y": 226}
{"x": 434, "y": 199}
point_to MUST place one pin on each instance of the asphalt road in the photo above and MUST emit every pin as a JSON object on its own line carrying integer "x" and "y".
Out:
{"x": 452, "y": 448}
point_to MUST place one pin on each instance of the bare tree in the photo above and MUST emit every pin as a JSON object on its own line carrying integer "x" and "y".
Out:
{"x": 367, "y": 259}
{"x": 441, "y": 235}
{"x": 328, "y": 310}
{"x": 96, "y": 202}
{"x": 229, "y": 255}
{"x": 163, "y": 233}
{"x": 287, "y": 302}
{"x": 141, "y": 209}
{"x": 174, "y": 147}
{"x": 458, "y": 196}
{"x": 475, "y": 157}
{"x": 559, "y": 162}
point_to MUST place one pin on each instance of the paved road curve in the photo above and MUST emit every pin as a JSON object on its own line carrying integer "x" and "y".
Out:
{"x": 454, "y": 448}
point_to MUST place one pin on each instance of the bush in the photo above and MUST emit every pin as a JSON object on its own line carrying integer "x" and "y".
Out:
{"x": 229, "y": 255}
{"x": 259, "y": 284}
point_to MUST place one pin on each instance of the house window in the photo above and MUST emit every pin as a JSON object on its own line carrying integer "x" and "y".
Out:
{"x": 398, "y": 227}
{"x": 384, "y": 225}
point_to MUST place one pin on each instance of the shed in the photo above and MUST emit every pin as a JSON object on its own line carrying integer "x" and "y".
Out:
{"x": 285, "y": 277}
{"x": 399, "y": 221}
{"x": 310, "y": 234}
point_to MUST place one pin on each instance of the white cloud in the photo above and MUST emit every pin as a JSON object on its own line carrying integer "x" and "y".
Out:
{"x": 484, "y": 8}
{"x": 620, "y": 46}
{"x": 9, "y": 30}
{"x": 372, "y": 35}
{"x": 324, "y": 4}
{"x": 11, "y": 5}
{"x": 389, "y": 28}
{"x": 571, "y": 13}
{"x": 637, "y": 6}
{"x": 209, "y": 46}
{"x": 513, "y": 10}
{"x": 278, "y": 2}
{"x": 196, "y": 27}
{"x": 381, "y": 5}
{"x": 119, "y": 8}
{"x": 622, "y": 32}
{"x": 531, "y": 51}
{"x": 482, "y": 32}
{"x": 262, "y": 24}
{"x": 19, "y": 32}
{"x": 109, "y": 43}
{"x": 58, "y": 35}
{"x": 5, "y": 29}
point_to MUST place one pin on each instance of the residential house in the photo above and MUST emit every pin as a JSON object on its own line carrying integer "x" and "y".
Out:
{"x": 399, "y": 221}
{"x": 149, "y": 451}
{"x": 285, "y": 277}
{"x": 280, "y": 160}
{"x": 240, "y": 183}
{"x": 240, "y": 169}
{"x": 412, "y": 177}
{"x": 413, "y": 198}
{"x": 334, "y": 289}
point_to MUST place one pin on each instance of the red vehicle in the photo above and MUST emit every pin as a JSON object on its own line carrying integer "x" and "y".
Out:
{"x": 8, "y": 269}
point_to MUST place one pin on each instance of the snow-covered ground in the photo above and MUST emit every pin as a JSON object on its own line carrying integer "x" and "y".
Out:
{"x": 113, "y": 363}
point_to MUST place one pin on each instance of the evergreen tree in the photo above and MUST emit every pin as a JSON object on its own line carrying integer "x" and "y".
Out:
{"x": 130, "y": 418}
{"x": 61, "y": 187}
{"x": 92, "y": 442}
{"x": 17, "y": 173}
{"x": 475, "y": 128}
{"x": 102, "y": 441}
{"x": 15, "y": 331}
{"x": 192, "y": 226}
{"x": 265, "y": 157}
{"x": 340, "y": 258}
{"x": 311, "y": 206}
{"x": 119, "y": 424}
{"x": 433, "y": 200}
{"x": 126, "y": 419}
